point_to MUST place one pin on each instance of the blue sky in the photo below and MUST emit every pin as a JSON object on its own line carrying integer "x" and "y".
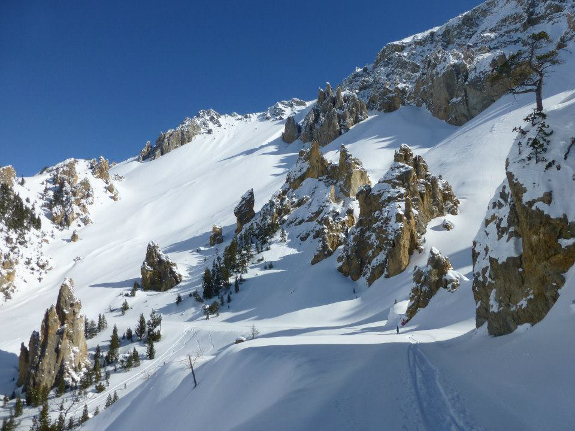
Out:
{"x": 84, "y": 78}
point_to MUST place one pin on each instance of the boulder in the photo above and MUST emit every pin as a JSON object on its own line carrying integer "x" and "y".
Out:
{"x": 216, "y": 237}
{"x": 333, "y": 115}
{"x": 393, "y": 215}
{"x": 291, "y": 130}
{"x": 438, "y": 274}
{"x": 159, "y": 273}
{"x": 59, "y": 350}
{"x": 244, "y": 210}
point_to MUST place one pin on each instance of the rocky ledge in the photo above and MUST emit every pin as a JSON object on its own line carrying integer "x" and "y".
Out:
{"x": 158, "y": 271}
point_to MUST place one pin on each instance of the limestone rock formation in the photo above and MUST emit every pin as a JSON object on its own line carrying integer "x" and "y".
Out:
{"x": 74, "y": 237}
{"x": 7, "y": 175}
{"x": 527, "y": 242}
{"x": 244, "y": 210}
{"x": 393, "y": 215}
{"x": 285, "y": 108}
{"x": 446, "y": 69}
{"x": 59, "y": 350}
{"x": 438, "y": 274}
{"x": 70, "y": 197}
{"x": 159, "y": 273}
{"x": 203, "y": 122}
{"x": 291, "y": 130}
{"x": 316, "y": 201}
{"x": 100, "y": 168}
{"x": 334, "y": 114}
{"x": 216, "y": 237}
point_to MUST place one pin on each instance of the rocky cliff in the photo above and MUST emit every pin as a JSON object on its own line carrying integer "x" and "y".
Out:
{"x": 527, "y": 242}
{"x": 445, "y": 69}
{"x": 437, "y": 274}
{"x": 244, "y": 210}
{"x": 393, "y": 215}
{"x": 317, "y": 202}
{"x": 158, "y": 271}
{"x": 59, "y": 350}
{"x": 334, "y": 113}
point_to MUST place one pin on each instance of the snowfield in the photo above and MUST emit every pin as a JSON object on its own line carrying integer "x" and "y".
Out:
{"x": 328, "y": 356}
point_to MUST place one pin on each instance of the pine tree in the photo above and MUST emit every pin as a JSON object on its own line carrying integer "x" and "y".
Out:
{"x": 141, "y": 327}
{"x": 44, "y": 423}
{"x": 19, "y": 407}
{"x": 525, "y": 70}
{"x": 129, "y": 334}
{"x": 125, "y": 307}
{"x": 60, "y": 384}
{"x": 109, "y": 401}
{"x": 208, "y": 284}
{"x": 60, "y": 424}
{"x": 151, "y": 352}
{"x": 97, "y": 411}
{"x": 116, "y": 397}
{"x": 236, "y": 285}
{"x": 85, "y": 415}
{"x": 102, "y": 324}
{"x": 136, "y": 358}
{"x": 71, "y": 423}
{"x": 178, "y": 299}
{"x": 112, "y": 355}
{"x": 155, "y": 326}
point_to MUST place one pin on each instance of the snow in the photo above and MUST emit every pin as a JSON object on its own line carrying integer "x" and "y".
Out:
{"x": 328, "y": 355}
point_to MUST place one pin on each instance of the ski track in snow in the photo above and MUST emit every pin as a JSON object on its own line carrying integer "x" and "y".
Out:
{"x": 439, "y": 405}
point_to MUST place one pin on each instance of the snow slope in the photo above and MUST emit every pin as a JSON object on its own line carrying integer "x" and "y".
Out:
{"x": 328, "y": 356}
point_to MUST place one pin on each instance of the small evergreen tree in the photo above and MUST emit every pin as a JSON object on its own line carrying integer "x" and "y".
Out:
{"x": 178, "y": 299}
{"x": 151, "y": 351}
{"x": 135, "y": 358}
{"x": 208, "y": 284}
{"x": 141, "y": 327}
{"x": 229, "y": 298}
{"x": 60, "y": 424}
{"x": 155, "y": 326}
{"x": 112, "y": 355}
{"x": 60, "y": 384}
{"x": 97, "y": 411}
{"x": 44, "y": 423}
{"x": 129, "y": 334}
{"x": 85, "y": 415}
{"x": 115, "y": 397}
{"x": 19, "y": 407}
{"x": 109, "y": 401}
{"x": 71, "y": 423}
{"x": 125, "y": 307}
{"x": 236, "y": 285}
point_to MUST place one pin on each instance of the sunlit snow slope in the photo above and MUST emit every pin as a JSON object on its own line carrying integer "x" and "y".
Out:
{"x": 328, "y": 356}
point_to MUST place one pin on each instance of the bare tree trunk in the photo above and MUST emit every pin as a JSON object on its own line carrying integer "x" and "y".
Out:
{"x": 539, "y": 95}
{"x": 192, "y": 368}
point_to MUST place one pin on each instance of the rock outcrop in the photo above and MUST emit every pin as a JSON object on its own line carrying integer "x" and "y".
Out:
{"x": 445, "y": 69}
{"x": 59, "y": 350}
{"x": 244, "y": 210}
{"x": 202, "y": 123}
{"x": 217, "y": 236}
{"x": 438, "y": 274}
{"x": 7, "y": 175}
{"x": 393, "y": 215}
{"x": 159, "y": 273}
{"x": 100, "y": 168}
{"x": 527, "y": 242}
{"x": 291, "y": 130}
{"x": 285, "y": 108}
{"x": 334, "y": 114}
{"x": 316, "y": 202}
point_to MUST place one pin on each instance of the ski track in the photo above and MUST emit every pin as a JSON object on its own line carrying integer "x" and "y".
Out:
{"x": 440, "y": 406}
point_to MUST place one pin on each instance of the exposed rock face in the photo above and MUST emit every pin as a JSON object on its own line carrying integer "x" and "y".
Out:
{"x": 216, "y": 237}
{"x": 74, "y": 237}
{"x": 527, "y": 242}
{"x": 393, "y": 215}
{"x": 333, "y": 115}
{"x": 101, "y": 169}
{"x": 158, "y": 271}
{"x": 59, "y": 348}
{"x": 244, "y": 210}
{"x": 281, "y": 110}
{"x": 445, "y": 69}
{"x": 7, "y": 175}
{"x": 291, "y": 130}
{"x": 316, "y": 201}
{"x": 70, "y": 197}
{"x": 203, "y": 122}
{"x": 438, "y": 274}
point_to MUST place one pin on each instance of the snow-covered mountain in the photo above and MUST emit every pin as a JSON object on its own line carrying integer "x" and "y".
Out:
{"x": 426, "y": 177}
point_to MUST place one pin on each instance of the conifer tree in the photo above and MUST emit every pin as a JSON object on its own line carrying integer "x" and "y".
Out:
{"x": 151, "y": 352}
{"x": 236, "y": 285}
{"x": 178, "y": 299}
{"x": 155, "y": 326}
{"x": 229, "y": 298}
{"x": 207, "y": 284}
{"x": 136, "y": 358}
{"x": 125, "y": 306}
{"x": 109, "y": 401}
{"x": 97, "y": 411}
{"x": 116, "y": 397}
{"x": 141, "y": 327}
{"x": 112, "y": 355}
{"x": 60, "y": 424}
{"x": 60, "y": 384}
{"x": 525, "y": 70}
{"x": 19, "y": 407}
{"x": 85, "y": 415}
{"x": 71, "y": 423}
{"x": 44, "y": 423}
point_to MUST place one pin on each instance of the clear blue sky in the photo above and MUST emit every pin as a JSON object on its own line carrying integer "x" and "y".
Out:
{"x": 83, "y": 78}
